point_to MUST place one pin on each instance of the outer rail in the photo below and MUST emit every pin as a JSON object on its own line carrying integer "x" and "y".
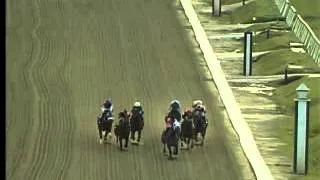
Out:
{"x": 300, "y": 28}
{"x": 241, "y": 127}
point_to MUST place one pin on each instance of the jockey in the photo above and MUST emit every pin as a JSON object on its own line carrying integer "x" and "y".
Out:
{"x": 196, "y": 103}
{"x": 175, "y": 110}
{"x": 106, "y": 115}
{"x": 107, "y": 105}
{"x": 137, "y": 110}
{"x": 175, "y": 104}
{"x": 169, "y": 122}
{"x": 202, "y": 110}
{"x": 187, "y": 114}
{"x": 172, "y": 123}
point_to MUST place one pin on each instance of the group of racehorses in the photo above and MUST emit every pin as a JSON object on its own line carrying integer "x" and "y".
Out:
{"x": 182, "y": 129}
{"x": 127, "y": 124}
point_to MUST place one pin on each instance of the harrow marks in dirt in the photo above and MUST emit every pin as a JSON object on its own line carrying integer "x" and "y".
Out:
{"x": 65, "y": 57}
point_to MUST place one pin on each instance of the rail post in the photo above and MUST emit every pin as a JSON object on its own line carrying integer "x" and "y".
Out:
{"x": 247, "y": 60}
{"x": 216, "y": 7}
{"x": 302, "y": 106}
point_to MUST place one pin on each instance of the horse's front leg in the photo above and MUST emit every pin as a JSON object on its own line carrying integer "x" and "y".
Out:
{"x": 170, "y": 152}
{"x": 188, "y": 142}
{"x": 195, "y": 136}
{"x": 117, "y": 139}
{"x": 120, "y": 142}
{"x": 203, "y": 134}
{"x": 126, "y": 141}
{"x": 100, "y": 134}
{"x": 133, "y": 132}
{"x": 191, "y": 142}
{"x": 139, "y": 135}
{"x": 176, "y": 150}
{"x": 105, "y": 136}
{"x": 182, "y": 139}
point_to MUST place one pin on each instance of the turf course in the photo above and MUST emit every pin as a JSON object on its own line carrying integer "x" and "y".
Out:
{"x": 65, "y": 57}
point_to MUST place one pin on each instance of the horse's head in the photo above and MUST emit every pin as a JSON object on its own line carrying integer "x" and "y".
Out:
{"x": 177, "y": 130}
{"x": 173, "y": 134}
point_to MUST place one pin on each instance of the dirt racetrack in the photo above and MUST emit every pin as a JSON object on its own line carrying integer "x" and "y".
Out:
{"x": 64, "y": 57}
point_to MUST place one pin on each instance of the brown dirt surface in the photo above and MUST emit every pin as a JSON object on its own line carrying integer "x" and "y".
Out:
{"x": 64, "y": 57}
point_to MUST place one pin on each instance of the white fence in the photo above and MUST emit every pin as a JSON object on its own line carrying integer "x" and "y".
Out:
{"x": 301, "y": 29}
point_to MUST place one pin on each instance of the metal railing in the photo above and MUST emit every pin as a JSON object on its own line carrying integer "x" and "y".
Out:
{"x": 300, "y": 28}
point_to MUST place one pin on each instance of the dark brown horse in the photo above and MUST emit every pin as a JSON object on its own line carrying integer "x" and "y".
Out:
{"x": 170, "y": 137}
{"x": 122, "y": 130}
{"x": 104, "y": 124}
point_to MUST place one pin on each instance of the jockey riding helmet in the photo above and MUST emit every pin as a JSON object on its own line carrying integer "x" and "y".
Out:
{"x": 175, "y": 101}
{"x": 108, "y": 102}
{"x": 137, "y": 104}
{"x": 196, "y": 103}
